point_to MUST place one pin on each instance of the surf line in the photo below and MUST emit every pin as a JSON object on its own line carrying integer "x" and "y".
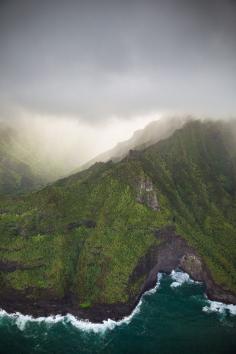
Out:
{"x": 22, "y": 320}
{"x": 178, "y": 279}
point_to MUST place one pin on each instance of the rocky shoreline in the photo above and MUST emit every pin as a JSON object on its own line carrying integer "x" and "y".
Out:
{"x": 172, "y": 253}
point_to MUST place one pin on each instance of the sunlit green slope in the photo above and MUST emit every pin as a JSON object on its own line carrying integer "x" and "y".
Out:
{"x": 85, "y": 234}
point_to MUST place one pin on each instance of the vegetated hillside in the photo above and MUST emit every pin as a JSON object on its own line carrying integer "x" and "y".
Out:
{"x": 17, "y": 173}
{"x": 25, "y": 166}
{"x": 141, "y": 139}
{"x": 81, "y": 240}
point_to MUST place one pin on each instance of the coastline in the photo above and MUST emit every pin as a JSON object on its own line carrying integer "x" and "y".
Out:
{"x": 178, "y": 279}
{"x": 172, "y": 253}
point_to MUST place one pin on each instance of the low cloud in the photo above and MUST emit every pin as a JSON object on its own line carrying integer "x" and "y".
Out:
{"x": 98, "y": 59}
{"x": 67, "y": 142}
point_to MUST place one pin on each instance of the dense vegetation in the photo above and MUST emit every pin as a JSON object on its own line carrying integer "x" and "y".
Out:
{"x": 85, "y": 234}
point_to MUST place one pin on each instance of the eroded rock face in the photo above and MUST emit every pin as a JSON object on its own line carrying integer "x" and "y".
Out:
{"x": 172, "y": 253}
{"x": 146, "y": 193}
{"x": 192, "y": 264}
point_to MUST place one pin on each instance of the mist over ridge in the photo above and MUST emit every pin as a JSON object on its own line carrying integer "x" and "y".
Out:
{"x": 51, "y": 148}
{"x": 117, "y": 166}
{"x": 79, "y": 77}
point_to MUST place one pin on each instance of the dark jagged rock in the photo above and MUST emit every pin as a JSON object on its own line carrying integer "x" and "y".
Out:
{"x": 146, "y": 193}
{"x": 102, "y": 251}
{"x": 172, "y": 253}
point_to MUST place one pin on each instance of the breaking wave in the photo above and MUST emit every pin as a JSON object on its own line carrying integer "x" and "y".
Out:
{"x": 215, "y": 306}
{"x": 179, "y": 278}
{"x": 23, "y": 320}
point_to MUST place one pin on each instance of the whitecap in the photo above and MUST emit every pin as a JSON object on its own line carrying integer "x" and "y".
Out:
{"x": 216, "y": 306}
{"x": 22, "y": 320}
{"x": 85, "y": 325}
{"x": 153, "y": 290}
{"x": 179, "y": 278}
{"x": 108, "y": 324}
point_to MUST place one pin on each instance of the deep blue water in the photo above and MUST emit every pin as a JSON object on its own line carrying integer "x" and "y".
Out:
{"x": 172, "y": 320}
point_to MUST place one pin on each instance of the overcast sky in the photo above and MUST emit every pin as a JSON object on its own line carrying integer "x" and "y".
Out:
{"x": 103, "y": 60}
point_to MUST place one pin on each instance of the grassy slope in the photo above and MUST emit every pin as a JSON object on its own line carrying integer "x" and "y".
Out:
{"x": 196, "y": 170}
{"x": 194, "y": 173}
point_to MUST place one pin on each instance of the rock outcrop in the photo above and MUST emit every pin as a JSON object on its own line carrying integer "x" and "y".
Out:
{"x": 147, "y": 194}
{"x": 173, "y": 252}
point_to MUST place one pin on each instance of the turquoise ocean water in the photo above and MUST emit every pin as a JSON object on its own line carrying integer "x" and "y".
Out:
{"x": 174, "y": 318}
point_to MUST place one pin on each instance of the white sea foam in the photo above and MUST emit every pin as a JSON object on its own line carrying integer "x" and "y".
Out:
{"x": 23, "y": 320}
{"x": 215, "y": 306}
{"x": 179, "y": 278}
{"x": 153, "y": 290}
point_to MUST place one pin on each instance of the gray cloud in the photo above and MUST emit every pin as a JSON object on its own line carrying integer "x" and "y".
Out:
{"x": 96, "y": 59}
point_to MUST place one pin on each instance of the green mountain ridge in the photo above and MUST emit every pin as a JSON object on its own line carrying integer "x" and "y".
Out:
{"x": 141, "y": 139}
{"x": 83, "y": 236}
